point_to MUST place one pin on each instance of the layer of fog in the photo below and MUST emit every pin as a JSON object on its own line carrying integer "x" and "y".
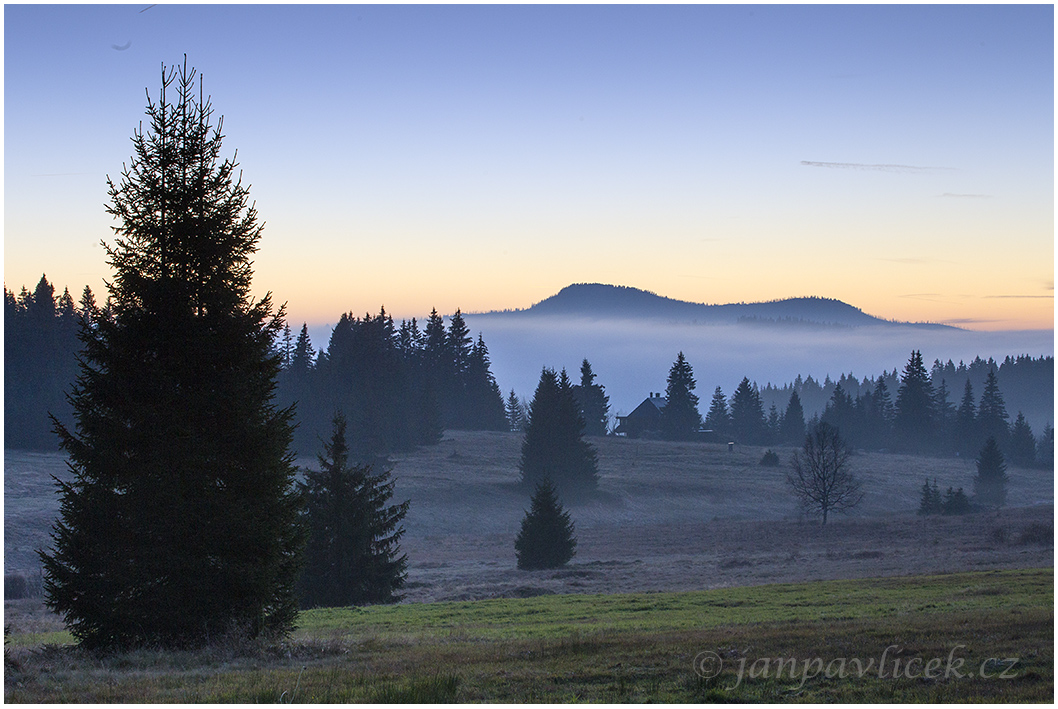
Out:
{"x": 632, "y": 358}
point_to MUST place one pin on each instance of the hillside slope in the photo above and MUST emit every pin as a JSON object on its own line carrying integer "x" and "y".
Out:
{"x": 602, "y": 301}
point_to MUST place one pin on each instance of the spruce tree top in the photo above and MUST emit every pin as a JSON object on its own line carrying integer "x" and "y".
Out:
{"x": 187, "y": 231}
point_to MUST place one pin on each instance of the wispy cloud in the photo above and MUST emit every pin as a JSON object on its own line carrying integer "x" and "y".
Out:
{"x": 953, "y": 195}
{"x": 1049, "y": 297}
{"x": 907, "y": 169}
{"x": 914, "y": 261}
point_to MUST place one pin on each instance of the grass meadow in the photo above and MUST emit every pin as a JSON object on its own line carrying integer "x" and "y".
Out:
{"x": 980, "y": 636}
{"x": 689, "y": 549}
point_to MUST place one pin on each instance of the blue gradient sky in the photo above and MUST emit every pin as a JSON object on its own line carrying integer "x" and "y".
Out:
{"x": 897, "y": 158}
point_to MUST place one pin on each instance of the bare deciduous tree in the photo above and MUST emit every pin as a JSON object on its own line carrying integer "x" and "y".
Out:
{"x": 820, "y": 475}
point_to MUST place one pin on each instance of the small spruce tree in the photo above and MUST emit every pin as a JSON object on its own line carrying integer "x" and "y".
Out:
{"x": 930, "y": 503}
{"x": 353, "y": 555}
{"x": 546, "y": 539}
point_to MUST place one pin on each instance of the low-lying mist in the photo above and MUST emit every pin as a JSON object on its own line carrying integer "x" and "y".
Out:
{"x": 632, "y": 358}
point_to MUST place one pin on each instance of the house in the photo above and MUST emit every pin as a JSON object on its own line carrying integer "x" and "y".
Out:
{"x": 645, "y": 419}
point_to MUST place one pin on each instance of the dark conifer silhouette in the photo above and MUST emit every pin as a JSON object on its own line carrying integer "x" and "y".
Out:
{"x": 594, "y": 404}
{"x": 990, "y": 483}
{"x": 554, "y": 447}
{"x": 1022, "y": 442}
{"x": 992, "y": 412}
{"x": 516, "y": 414}
{"x": 546, "y": 539}
{"x": 955, "y": 502}
{"x": 353, "y": 555}
{"x": 181, "y": 521}
{"x": 483, "y": 405}
{"x": 793, "y": 421}
{"x": 717, "y": 419}
{"x": 930, "y": 501}
{"x": 965, "y": 431}
{"x": 914, "y": 407}
{"x": 747, "y": 414}
{"x": 680, "y": 419}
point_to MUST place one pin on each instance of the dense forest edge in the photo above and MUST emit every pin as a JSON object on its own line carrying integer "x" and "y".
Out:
{"x": 401, "y": 385}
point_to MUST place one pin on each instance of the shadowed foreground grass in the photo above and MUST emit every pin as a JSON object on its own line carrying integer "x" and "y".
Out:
{"x": 928, "y": 638}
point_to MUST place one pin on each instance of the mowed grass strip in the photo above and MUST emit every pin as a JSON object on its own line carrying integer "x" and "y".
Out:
{"x": 634, "y": 648}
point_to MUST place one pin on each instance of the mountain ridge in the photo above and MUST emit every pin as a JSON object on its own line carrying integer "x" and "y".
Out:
{"x": 603, "y": 301}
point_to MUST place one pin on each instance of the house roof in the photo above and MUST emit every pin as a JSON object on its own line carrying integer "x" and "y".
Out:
{"x": 651, "y": 406}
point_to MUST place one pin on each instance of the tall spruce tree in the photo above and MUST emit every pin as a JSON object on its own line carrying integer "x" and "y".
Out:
{"x": 181, "y": 520}
{"x": 353, "y": 555}
{"x": 680, "y": 419}
{"x": 793, "y": 421}
{"x": 747, "y": 414}
{"x": 914, "y": 407}
{"x": 594, "y": 404}
{"x": 554, "y": 447}
{"x": 992, "y": 412}
{"x": 965, "y": 431}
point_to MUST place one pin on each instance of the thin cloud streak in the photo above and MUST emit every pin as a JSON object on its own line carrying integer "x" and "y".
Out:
{"x": 914, "y": 261}
{"x": 1047, "y": 297}
{"x": 907, "y": 169}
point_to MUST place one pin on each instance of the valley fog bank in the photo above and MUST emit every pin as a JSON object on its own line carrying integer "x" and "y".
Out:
{"x": 632, "y": 358}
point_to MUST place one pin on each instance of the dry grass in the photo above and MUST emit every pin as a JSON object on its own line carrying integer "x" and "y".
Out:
{"x": 669, "y": 516}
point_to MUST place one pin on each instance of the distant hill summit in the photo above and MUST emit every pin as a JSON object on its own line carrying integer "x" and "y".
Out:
{"x": 607, "y": 302}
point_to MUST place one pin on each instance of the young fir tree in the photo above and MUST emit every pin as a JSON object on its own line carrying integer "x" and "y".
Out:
{"x": 554, "y": 447}
{"x": 515, "y": 413}
{"x": 990, "y": 483}
{"x": 546, "y": 539}
{"x": 353, "y": 554}
{"x": 680, "y": 419}
{"x": 181, "y": 521}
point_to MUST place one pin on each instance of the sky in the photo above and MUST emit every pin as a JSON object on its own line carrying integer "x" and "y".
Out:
{"x": 898, "y": 158}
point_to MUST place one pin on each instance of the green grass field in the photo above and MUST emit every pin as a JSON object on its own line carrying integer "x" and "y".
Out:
{"x": 918, "y": 638}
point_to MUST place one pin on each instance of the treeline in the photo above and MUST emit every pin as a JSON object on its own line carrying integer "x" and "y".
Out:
{"x": 40, "y": 361}
{"x": 1027, "y": 384}
{"x": 397, "y": 386}
{"x": 915, "y": 412}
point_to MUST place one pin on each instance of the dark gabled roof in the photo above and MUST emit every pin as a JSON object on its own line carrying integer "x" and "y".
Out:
{"x": 651, "y": 406}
